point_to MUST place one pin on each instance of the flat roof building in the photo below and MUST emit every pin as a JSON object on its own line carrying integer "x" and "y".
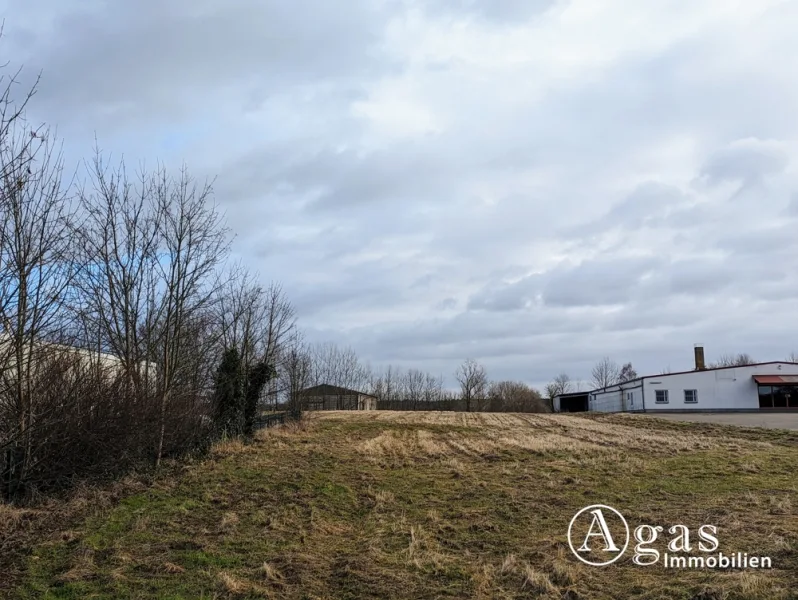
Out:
{"x": 761, "y": 386}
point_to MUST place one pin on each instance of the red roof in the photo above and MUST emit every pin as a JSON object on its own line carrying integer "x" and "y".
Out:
{"x": 775, "y": 379}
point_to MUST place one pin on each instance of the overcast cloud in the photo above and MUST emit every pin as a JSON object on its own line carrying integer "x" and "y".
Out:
{"x": 535, "y": 184}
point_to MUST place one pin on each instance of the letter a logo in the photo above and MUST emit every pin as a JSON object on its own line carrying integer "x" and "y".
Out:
{"x": 598, "y": 527}
{"x": 604, "y": 533}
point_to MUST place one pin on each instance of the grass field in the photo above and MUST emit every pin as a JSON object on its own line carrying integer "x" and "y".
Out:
{"x": 434, "y": 505}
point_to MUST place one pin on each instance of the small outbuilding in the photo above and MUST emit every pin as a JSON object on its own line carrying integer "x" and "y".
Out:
{"x": 571, "y": 402}
{"x": 332, "y": 397}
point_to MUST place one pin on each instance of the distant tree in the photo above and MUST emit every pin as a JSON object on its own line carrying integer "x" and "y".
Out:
{"x": 627, "y": 373}
{"x": 792, "y": 357}
{"x": 259, "y": 375}
{"x": 433, "y": 388}
{"x": 733, "y": 360}
{"x": 413, "y": 383}
{"x": 559, "y": 385}
{"x": 473, "y": 381}
{"x": 743, "y": 359}
{"x": 228, "y": 393}
{"x": 605, "y": 372}
{"x": 338, "y": 366}
{"x": 514, "y": 396}
{"x": 296, "y": 371}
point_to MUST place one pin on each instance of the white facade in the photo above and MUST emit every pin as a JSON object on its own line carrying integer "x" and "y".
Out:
{"x": 81, "y": 358}
{"x": 730, "y": 388}
{"x": 622, "y": 397}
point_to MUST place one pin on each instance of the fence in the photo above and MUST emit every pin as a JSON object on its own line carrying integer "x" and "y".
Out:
{"x": 460, "y": 405}
{"x": 269, "y": 420}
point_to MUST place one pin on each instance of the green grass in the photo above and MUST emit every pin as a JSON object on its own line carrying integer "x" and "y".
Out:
{"x": 383, "y": 505}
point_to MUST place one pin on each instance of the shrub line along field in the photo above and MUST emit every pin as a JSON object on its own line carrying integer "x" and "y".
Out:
{"x": 434, "y": 505}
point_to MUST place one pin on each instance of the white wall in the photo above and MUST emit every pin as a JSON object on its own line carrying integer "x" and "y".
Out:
{"x": 622, "y": 397}
{"x": 719, "y": 389}
{"x": 108, "y": 363}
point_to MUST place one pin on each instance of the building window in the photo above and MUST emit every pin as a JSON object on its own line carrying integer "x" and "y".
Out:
{"x": 661, "y": 397}
{"x": 765, "y": 396}
{"x": 690, "y": 396}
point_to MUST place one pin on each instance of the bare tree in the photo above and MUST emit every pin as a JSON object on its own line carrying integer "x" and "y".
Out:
{"x": 192, "y": 244}
{"x": 280, "y": 328}
{"x": 338, "y": 366}
{"x": 744, "y": 359}
{"x": 606, "y": 372}
{"x": 557, "y": 386}
{"x": 433, "y": 389}
{"x": 390, "y": 384}
{"x": 627, "y": 373}
{"x": 792, "y": 357}
{"x": 153, "y": 249}
{"x": 295, "y": 370}
{"x": 473, "y": 382}
{"x": 384, "y": 385}
{"x": 414, "y": 382}
{"x": 280, "y": 319}
{"x": 241, "y": 312}
{"x": 38, "y": 265}
{"x": 120, "y": 241}
{"x": 733, "y": 360}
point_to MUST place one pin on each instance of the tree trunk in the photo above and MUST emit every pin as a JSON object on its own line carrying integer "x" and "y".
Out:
{"x": 162, "y": 432}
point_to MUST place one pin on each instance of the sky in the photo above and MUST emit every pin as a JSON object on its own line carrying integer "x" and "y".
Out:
{"x": 534, "y": 184}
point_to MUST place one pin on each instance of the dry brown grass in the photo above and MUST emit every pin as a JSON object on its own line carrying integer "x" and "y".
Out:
{"x": 411, "y": 505}
{"x": 271, "y": 573}
{"x": 483, "y": 434}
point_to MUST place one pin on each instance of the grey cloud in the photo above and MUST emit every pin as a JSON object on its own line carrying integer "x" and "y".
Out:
{"x": 695, "y": 277}
{"x": 746, "y": 160}
{"x": 495, "y": 10}
{"x": 500, "y": 297}
{"x": 687, "y": 217}
{"x": 365, "y": 283}
{"x": 648, "y": 204}
{"x": 447, "y": 304}
{"x": 596, "y": 282}
{"x": 128, "y": 61}
{"x": 758, "y": 241}
{"x": 792, "y": 207}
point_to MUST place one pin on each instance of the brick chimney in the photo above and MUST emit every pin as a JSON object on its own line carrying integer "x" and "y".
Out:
{"x": 700, "y": 365}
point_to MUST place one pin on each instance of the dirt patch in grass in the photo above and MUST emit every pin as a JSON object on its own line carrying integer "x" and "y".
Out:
{"x": 435, "y": 505}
